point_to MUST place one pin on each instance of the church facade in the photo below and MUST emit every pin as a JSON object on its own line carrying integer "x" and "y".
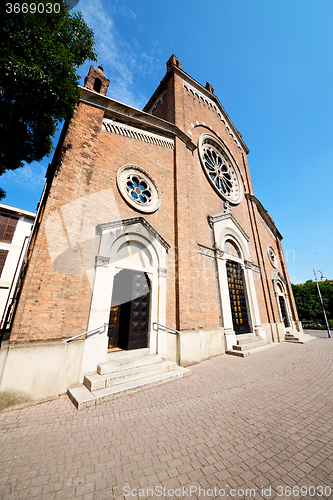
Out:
{"x": 148, "y": 235}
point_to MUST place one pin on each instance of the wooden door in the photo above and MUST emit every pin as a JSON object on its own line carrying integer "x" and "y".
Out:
{"x": 130, "y": 309}
{"x": 139, "y": 315}
{"x": 237, "y": 297}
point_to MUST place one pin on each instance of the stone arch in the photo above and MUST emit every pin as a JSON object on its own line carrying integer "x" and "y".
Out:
{"x": 229, "y": 233}
{"x": 226, "y": 227}
{"x": 282, "y": 299}
{"x": 133, "y": 245}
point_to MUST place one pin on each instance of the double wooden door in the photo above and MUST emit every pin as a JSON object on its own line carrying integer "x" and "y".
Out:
{"x": 129, "y": 312}
{"x": 237, "y": 297}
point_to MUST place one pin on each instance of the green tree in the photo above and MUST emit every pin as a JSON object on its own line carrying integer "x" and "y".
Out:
{"x": 40, "y": 54}
{"x": 308, "y": 302}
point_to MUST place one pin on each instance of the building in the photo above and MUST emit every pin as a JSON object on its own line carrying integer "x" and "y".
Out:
{"x": 15, "y": 229}
{"x": 148, "y": 226}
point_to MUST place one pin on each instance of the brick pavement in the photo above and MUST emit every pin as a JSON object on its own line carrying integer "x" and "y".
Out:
{"x": 235, "y": 424}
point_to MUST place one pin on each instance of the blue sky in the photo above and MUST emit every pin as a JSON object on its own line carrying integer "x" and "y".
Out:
{"x": 270, "y": 63}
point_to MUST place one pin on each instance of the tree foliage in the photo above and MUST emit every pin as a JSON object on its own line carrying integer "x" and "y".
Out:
{"x": 308, "y": 302}
{"x": 40, "y": 54}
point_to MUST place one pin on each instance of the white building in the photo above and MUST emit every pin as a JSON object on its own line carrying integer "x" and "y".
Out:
{"x": 15, "y": 229}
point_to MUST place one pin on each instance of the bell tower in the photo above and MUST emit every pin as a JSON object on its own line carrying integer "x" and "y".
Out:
{"x": 96, "y": 80}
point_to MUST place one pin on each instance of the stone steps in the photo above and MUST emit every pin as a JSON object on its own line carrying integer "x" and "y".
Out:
{"x": 298, "y": 338}
{"x": 249, "y": 343}
{"x": 254, "y": 350}
{"x": 97, "y": 381}
{"x": 124, "y": 373}
{"x": 121, "y": 354}
{"x": 126, "y": 364}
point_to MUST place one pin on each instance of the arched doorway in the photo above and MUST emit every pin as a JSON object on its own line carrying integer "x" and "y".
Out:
{"x": 130, "y": 310}
{"x": 133, "y": 252}
{"x": 282, "y": 299}
{"x": 236, "y": 275}
{"x": 283, "y": 310}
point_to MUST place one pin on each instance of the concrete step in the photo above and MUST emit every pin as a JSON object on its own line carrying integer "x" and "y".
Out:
{"x": 244, "y": 336}
{"x": 133, "y": 353}
{"x": 114, "y": 392}
{"x": 298, "y": 338}
{"x": 97, "y": 381}
{"x": 127, "y": 363}
{"x": 251, "y": 345}
{"x": 123, "y": 375}
{"x": 254, "y": 350}
{"x": 248, "y": 340}
{"x": 83, "y": 398}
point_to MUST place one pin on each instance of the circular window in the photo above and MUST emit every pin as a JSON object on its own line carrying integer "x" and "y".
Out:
{"x": 272, "y": 256}
{"x": 220, "y": 169}
{"x": 138, "y": 188}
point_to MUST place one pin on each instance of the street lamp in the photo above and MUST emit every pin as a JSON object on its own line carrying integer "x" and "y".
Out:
{"x": 321, "y": 300}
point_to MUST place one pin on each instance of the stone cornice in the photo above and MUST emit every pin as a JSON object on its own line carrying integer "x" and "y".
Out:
{"x": 266, "y": 219}
{"x": 139, "y": 134}
{"x": 134, "y": 117}
{"x": 251, "y": 265}
{"x": 212, "y": 97}
{"x": 204, "y": 250}
{"x": 217, "y": 253}
{"x": 213, "y": 219}
{"x": 129, "y": 222}
{"x": 266, "y": 226}
{"x": 209, "y": 101}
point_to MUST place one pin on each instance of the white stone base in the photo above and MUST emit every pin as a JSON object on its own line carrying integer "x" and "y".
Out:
{"x": 275, "y": 332}
{"x": 230, "y": 338}
{"x": 192, "y": 346}
{"x": 39, "y": 371}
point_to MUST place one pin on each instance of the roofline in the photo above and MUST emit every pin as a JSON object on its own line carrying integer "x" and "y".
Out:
{"x": 17, "y": 211}
{"x": 265, "y": 215}
{"x": 135, "y": 116}
{"x": 209, "y": 95}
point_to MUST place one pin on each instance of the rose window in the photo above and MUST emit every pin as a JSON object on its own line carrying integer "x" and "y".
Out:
{"x": 219, "y": 169}
{"x": 139, "y": 189}
{"x": 272, "y": 256}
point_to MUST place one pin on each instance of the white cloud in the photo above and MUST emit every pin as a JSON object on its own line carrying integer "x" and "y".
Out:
{"x": 32, "y": 177}
{"x": 122, "y": 60}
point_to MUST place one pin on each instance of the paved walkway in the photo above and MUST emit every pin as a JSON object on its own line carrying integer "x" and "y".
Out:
{"x": 256, "y": 427}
